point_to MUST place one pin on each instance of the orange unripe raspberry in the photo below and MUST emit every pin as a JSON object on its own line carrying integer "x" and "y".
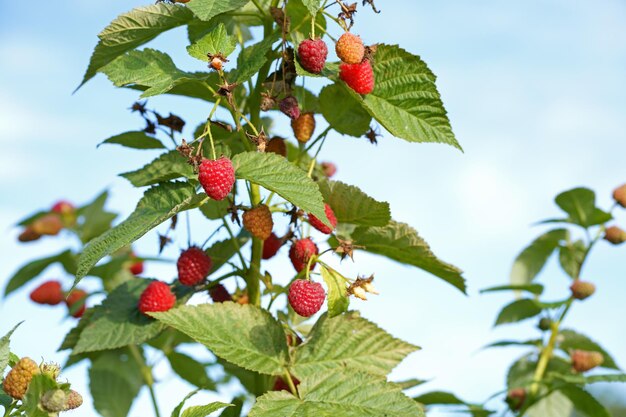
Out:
{"x": 17, "y": 380}
{"x": 303, "y": 127}
{"x": 619, "y": 195}
{"x": 48, "y": 224}
{"x": 258, "y": 221}
{"x": 350, "y": 48}
{"x": 582, "y": 289}
{"x": 28, "y": 235}
{"x": 615, "y": 235}
{"x": 583, "y": 360}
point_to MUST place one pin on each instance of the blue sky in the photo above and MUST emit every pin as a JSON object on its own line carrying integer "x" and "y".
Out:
{"x": 535, "y": 92}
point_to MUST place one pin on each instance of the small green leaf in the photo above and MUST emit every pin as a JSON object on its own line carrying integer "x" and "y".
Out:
{"x": 215, "y": 42}
{"x": 507, "y": 343}
{"x": 580, "y": 205}
{"x": 571, "y": 258}
{"x": 176, "y": 411}
{"x": 312, "y": 5}
{"x": 244, "y": 335}
{"x": 169, "y": 166}
{"x": 208, "y": 9}
{"x": 342, "y": 393}
{"x": 214, "y": 209}
{"x": 300, "y": 16}
{"x": 204, "y": 410}
{"x": 338, "y": 300}
{"x": 400, "y": 242}
{"x": 158, "y": 204}
{"x": 132, "y": 29}
{"x": 154, "y": 73}
{"x": 438, "y": 397}
{"x": 276, "y": 174}
{"x": 532, "y": 259}
{"x": 190, "y": 370}
{"x": 114, "y": 382}
{"x": 584, "y": 379}
{"x": 410, "y": 383}
{"x": 5, "y": 351}
{"x": 343, "y": 112}
{"x": 351, "y": 205}
{"x": 518, "y": 310}
{"x": 349, "y": 341}
{"x": 569, "y": 340}
{"x": 94, "y": 219}
{"x": 134, "y": 140}
{"x": 37, "y": 387}
{"x": 584, "y": 402}
{"x": 33, "y": 269}
{"x": 536, "y": 289}
{"x": 117, "y": 322}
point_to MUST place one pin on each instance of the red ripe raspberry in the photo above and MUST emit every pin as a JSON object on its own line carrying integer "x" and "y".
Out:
{"x": 193, "y": 266}
{"x": 312, "y": 55}
{"x": 350, "y": 48}
{"x": 317, "y": 223}
{"x": 62, "y": 207}
{"x": 359, "y": 77}
{"x": 582, "y": 289}
{"x": 306, "y": 297}
{"x": 217, "y": 177}
{"x": 303, "y": 127}
{"x": 258, "y": 221}
{"x": 76, "y": 302}
{"x": 219, "y": 294}
{"x": 271, "y": 245}
{"x": 50, "y": 292}
{"x": 329, "y": 169}
{"x": 156, "y": 297}
{"x": 289, "y": 106}
{"x": 300, "y": 253}
{"x": 136, "y": 268}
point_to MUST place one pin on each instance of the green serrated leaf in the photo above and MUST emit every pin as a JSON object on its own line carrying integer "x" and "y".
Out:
{"x": 343, "y": 112}
{"x": 571, "y": 258}
{"x": 584, "y": 402}
{"x": 351, "y": 205}
{"x": 253, "y": 57}
{"x": 405, "y": 99}
{"x": 536, "y": 289}
{"x": 349, "y": 341}
{"x": 531, "y": 261}
{"x": 190, "y": 370}
{"x": 338, "y": 300}
{"x": 158, "y": 204}
{"x": 5, "y": 351}
{"x": 215, "y": 42}
{"x": 276, "y": 174}
{"x": 400, "y": 242}
{"x": 569, "y": 340}
{"x": 308, "y": 101}
{"x": 300, "y": 16}
{"x": 208, "y": 9}
{"x": 154, "y": 73}
{"x": 410, "y": 383}
{"x": 94, "y": 219}
{"x": 439, "y": 397}
{"x": 204, "y": 410}
{"x": 134, "y": 140}
{"x": 117, "y": 322}
{"x": 343, "y": 393}
{"x": 132, "y": 29}
{"x": 312, "y": 5}
{"x": 235, "y": 410}
{"x": 114, "y": 382}
{"x": 580, "y": 205}
{"x": 214, "y": 210}
{"x": 506, "y": 343}
{"x": 33, "y": 269}
{"x": 169, "y": 166}
{"x": 244, "y": 335}
{"x": 554, "y": 405}
{"x": 517, "y": 311}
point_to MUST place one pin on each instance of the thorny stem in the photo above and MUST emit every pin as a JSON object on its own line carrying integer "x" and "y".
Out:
{"x": 146, "y": 373}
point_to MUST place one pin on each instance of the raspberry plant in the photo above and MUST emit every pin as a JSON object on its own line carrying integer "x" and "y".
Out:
{"x": 259, "y": 192}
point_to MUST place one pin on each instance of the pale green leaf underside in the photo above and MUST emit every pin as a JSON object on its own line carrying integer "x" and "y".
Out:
{"x": 114, "y": 383}
{"x": 244, "y": 335}
{"x": 253, "y": 57}
{"x": 5, "y": 348}
{"x": 215, "y": 42}
{"x": 405, "y": 99}
{"x": 349, "y": 341}
{"x": 207, "y": 9}
{"x": 170, "y": 165}
{"x": 351, "y": 205}
{"x": 337, "y": 298}
{"x": 344, "y": 393}
{"x": 533, "y": 258}
{"x": 132, "y": 29}
{"x": 275, "y": 173}
{"x": 204, "y": 410}
{"x": 400, "y": 242}
{"x": 158, "y": 204}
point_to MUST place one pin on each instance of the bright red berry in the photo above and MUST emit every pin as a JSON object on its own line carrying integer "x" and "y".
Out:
{"x": 63, "y": 207}
{"x": 193, "y": 266}
{"x": 258, "y": 221}
{"x": 306, "y": 297}
{"x": 312, "y": 55}
{"x": 217, "y": 177}
{"x": 582, "y": 289}
{"x": 289, "y": 106}
{"x": 76, "y": 303}
{"x": 50, "y": 292}
{"x": 317, "y": 223}
{"x": 271, "y": 245}
{"x": 359, "y": 77}
{"x": 219, "y": 294}
{"x": 350, "y": 48}
{"x": 300, "y": 253}
{"x": 156, "y": 297}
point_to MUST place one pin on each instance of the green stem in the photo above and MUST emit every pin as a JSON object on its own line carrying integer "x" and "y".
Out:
{"x": 146, "y": 373}
{"x": 290, "y": 383}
